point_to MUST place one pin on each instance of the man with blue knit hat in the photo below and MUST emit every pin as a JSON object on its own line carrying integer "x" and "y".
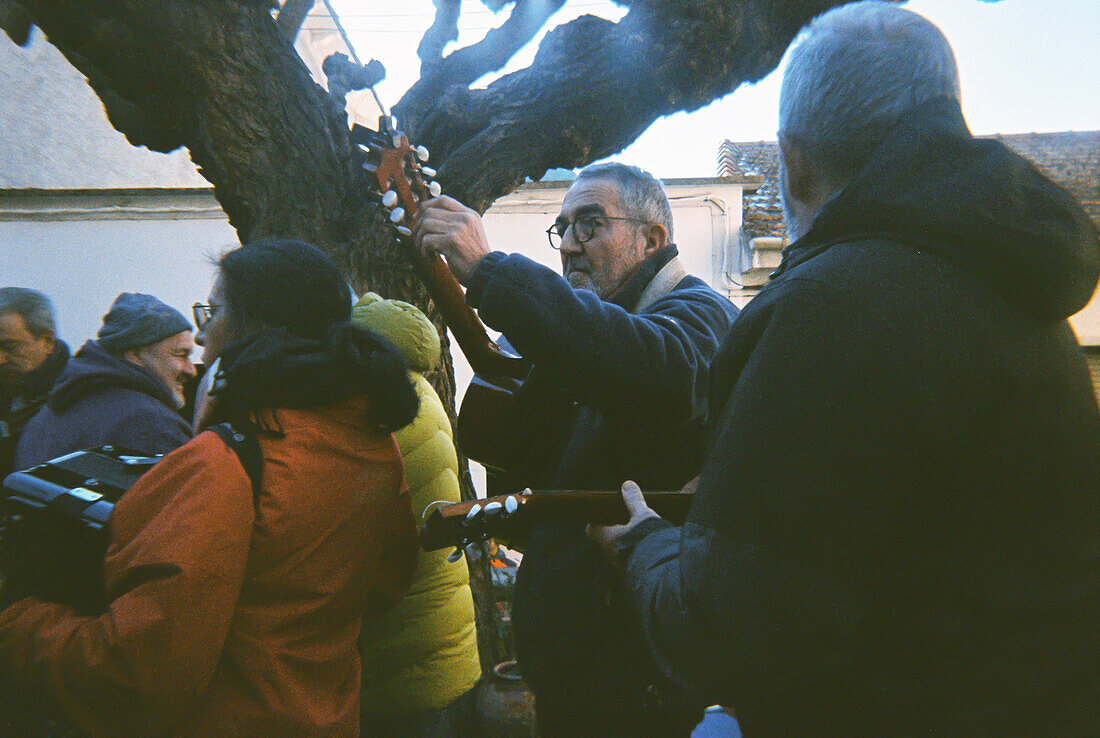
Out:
{"x": 125, "y": 388}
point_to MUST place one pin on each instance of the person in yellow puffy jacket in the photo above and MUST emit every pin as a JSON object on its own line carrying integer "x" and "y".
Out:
{"x": 420, "y": 659}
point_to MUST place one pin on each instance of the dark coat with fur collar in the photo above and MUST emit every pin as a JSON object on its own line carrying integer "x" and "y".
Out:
{"x": 102, "y": 399}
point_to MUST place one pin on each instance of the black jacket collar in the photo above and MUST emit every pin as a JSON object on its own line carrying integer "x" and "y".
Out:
{"x": 39, "y": 381}
{"x": 971, "y": 201}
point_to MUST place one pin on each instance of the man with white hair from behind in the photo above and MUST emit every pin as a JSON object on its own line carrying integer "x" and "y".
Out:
{"x": 897, "y": 529}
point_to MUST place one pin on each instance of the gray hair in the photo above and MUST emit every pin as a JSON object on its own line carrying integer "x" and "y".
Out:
{"x": 851, "y": 75}
{"x": 640, "y": 193}
{"x": 34, "y": 307}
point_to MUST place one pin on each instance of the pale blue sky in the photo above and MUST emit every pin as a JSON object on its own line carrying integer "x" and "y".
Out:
{"x": 1026, "y": 65}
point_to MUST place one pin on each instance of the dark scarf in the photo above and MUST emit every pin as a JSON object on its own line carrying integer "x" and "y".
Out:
{"x": 275, "y": 368}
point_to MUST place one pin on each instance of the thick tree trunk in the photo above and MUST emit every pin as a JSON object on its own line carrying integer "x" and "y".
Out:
{"x": 220, "y": 79}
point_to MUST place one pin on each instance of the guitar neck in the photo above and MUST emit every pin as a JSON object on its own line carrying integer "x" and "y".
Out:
{"x": 485, "y": 357}
{"x": 460, "y": 523}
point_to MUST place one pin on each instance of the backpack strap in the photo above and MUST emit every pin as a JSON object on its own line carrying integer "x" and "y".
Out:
{"x": 247, "y": 448}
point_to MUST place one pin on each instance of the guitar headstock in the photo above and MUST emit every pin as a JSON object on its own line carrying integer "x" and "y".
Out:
{"x": 460, "y": 524}
{"x": 404, "y": 179}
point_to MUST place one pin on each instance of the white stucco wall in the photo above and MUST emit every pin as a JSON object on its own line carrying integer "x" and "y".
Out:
{"x": 83, "y": 250}
{"x": 1087, "y": 322}
{"x": 54, "y": 133}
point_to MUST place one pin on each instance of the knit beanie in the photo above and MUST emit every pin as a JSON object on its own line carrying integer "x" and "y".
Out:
{"x": 136, "y": 320}
{"x": 401, "y": 324}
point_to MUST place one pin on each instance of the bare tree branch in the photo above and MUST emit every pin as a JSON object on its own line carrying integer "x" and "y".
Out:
{"x": 344, "y": 75}
{"x": 465, "y": 66}
{"x": 15, "y": 21}
{"x": 594, "y": 86}
{"x": 443, "y": 30}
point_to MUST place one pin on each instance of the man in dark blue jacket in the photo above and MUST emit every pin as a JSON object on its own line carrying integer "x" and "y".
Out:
{"x": 125, "y": 388}
{"x": 897, "y": 529}
{"x": 620, "y": 347}
{"x": 31, "y": 358}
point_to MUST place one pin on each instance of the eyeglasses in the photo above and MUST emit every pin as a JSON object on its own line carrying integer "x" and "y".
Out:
{"x": 584, "y": 228}
{"x": 203, "y": 314}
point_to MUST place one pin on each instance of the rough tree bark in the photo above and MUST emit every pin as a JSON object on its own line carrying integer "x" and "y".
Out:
{"x": 291, "y": 16}
{"x": 221, "y": 78}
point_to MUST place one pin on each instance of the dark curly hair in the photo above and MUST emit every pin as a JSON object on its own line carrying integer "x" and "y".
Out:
{"x": 305, "y": 354}
{"x": 283, "y": 283}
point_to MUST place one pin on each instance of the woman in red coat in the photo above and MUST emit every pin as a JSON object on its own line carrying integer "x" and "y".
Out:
{"x": 234, "y": 610}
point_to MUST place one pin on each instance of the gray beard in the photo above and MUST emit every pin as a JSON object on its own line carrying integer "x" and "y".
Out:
{"x": 582, "y": 281}
{"x": 579, "y": 280}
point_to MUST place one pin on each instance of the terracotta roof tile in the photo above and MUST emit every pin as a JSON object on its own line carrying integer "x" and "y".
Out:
{"x": 763, "y": 215}
{"x": 1070, "y": 158}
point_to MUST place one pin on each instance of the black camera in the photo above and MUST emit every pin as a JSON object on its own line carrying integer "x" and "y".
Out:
{"x": 55, "y": 519}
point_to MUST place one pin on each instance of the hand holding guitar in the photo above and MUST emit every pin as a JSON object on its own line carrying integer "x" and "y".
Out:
{"x": 607, "y": 537}
{"x": 445, "y": 226}
{"x": 460, "y": 523}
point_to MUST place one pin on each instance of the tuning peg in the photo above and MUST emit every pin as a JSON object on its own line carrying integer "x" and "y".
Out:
{"x": 511, "y": 504}
{"x": 427, "y": 171}
{"x": 493, "y": 508}
{"x": 422, "y": 153}
{"x": 404, "y": 231}
{"x": 397, "y": 215}
{"x": 434, "y": 189}
{"x": 455, "y": 555}
{"x": 370, "y": 166}
{"x": 397, "y": 140}
{"x": 389, "y": 198}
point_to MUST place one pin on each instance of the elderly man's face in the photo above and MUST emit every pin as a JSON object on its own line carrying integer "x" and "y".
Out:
{"x": 605, "y": 261}
{"x": 21, "y": 352}
{"x": 169, "y": 361}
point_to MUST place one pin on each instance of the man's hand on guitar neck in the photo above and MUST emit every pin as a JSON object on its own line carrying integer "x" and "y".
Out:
{"x": 445, "y": 226}
{"x": 608, "y": 537}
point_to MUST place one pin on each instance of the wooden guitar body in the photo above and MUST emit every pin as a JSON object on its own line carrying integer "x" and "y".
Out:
{"x": 483, "y": 433}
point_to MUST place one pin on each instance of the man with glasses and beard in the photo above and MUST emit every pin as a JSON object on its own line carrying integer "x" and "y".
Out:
{"x": 620, "y": 346}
